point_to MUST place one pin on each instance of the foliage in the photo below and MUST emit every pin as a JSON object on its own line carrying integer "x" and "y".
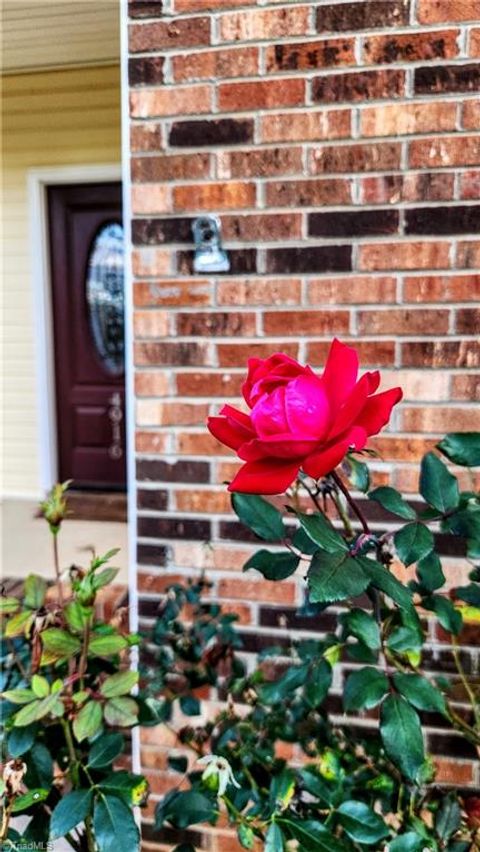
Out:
{"x": 66, "y": 687}
{"x": 289, "y": 770}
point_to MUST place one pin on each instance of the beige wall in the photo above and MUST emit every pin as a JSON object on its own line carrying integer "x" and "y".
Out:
{"x": 55, "y": 118}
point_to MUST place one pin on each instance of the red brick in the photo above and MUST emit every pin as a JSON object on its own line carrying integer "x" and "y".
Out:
{"x": 371, "y": 157}
{"x": 189, "y": 32}
{"x": 468, "y": 254}
{"x": 182, "y": 354}
{"x": 410, "y": 47}
{"x": 264, "y": 162}
{"x": 305, "y": 126}
{"x": 394, "y": 448}
{"x": 451, "y": 419}
{"x": 362, "y": 16}
{"x": 303, "y": 56}
{"x": 420, "y": 255}
{"x": 227, "y": 324}
{"x": 306, "y": 322}
{"x": 214, "y": 196}
{"x": 177, "y": 167}
{"x": 237, "y": 354}
{"x": 453, "y": 772}
{"x": 360, "y": 290}
{"x": 209, "y": 5}
{"x": 172, "y": 293}
{"x": 416, "y": 186}
{"x": 261, "y": 94}
{"x": 264, "y": 24}
{"x": 150, "y": 442}
{"x": 151, "y": 198}
{"x": 215, "y": 64}
{"x": 259, "y": 226}
{"x": 221, "y": 385}
{"x": 441, "y": 353}
{"x": 151, "y": 261}
{"x": 307, "y": 193}
{"x": 199, "y": 444}
{"x": 403, "y": 119}
{"x": 152, "y": 412}
{"x": 447, "y": 11}
{"x": 467, "y": 321}
{"x": 151, "y": 384}
{"x": 217, "y": 502}
{"x": 419, "y": 321}
{"x": 270, "y": 592}
{"x": 281, "y": 291}
{"x": 470, "y": 184}
{"x": 446, "y": 151}
{"x": 146, "y": 137}
{"x": 358, "y": 86}
{"x": 148, "y": 103}
{"x": 150, "y": 324}
{"x": 466, "y": 387}
{"x": 145, "y": 8}
{"x": 474, "y": 44}
{"x": 471, "y": 115}
{"x": 379, "y": 353}
{"x": 445, "y": 288}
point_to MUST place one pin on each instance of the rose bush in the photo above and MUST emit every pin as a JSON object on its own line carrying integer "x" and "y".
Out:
{"x": 301, "y": 420}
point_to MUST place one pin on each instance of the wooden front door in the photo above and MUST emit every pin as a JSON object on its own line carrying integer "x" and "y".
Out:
{"x": 86, "y": 255}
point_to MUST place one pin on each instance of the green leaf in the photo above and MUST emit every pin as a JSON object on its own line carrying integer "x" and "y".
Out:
{"x": 391, "y": 500}
{"x": 20, "y": 740}
{"x": 120, "y": 683}
{"x": 364, "y": 689}
{"x": 121, "y": 711}
{"x": 105, "y": 749}
{"x": 409, "y": 842}
{"x": 130, "y": 787}
{"x": 359, "y": 474}
{"x": 42, "y": 764}
{"x": 178, "y": 762}
{"x": 8, "y": 605}
{"x": 182, "y": 809}
{"x": 259, "y": 516}
{"x": 449, "y": 817}
{"x": 114, "y": 825}
{"x": 429, "y": 572}
{"x": 381, "y": 578}
{"x": 449, "y": 618}
{"x": 462, "y": 448}
{"x": 40, "y": 686}
{"x": 88, "y": 721}
{"x": 363, "y": 626}
{"x": 295, "y": 676}
{"x": 322, "y": 533}
{"x": 71, "y": 809}
{"x": 105, "y": 646}
{"x": 312, "y": 835}
{"x": 273, "y": 566}
{"x": 437, "y": 485}
{"x": 413, "y": 542}
{"x": 274, "y": 839}
{"x": 60, "y": 643}
{"x": 420, "y": 692}
{"x": 470, "y": 594}
{"x": 318, "y": 683}
{"x": 361, "y": 823}
{"x": 19, "y": 696}
{"x": 33, "y": 797}
{"x": 190, "y": 705}
{"x": 335, "y": 577}
{"x": 19, "y": 624}
{"x": 246, "y": 836}
{"x": 34, "y": 591}
{"x": 36, "y": 710}
{"x": 104, "y": 578}
{"x": 402, "y": 735}
{"x": 77, "y": 616}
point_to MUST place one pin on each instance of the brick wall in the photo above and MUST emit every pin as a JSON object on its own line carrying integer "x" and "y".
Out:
{"x": 338, "y": 142}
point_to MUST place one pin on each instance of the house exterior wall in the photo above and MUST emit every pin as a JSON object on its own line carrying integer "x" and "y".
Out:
{"x": 54, "y": 118}
{"x": 339, "y": 144}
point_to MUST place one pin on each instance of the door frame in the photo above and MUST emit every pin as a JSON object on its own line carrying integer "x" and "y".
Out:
{"x": 37, "y": 182}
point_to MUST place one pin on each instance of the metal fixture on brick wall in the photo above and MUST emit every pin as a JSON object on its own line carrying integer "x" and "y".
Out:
{"x": 209, "y": 254}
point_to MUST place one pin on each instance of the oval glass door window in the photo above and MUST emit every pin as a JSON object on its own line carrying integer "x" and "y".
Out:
{"x": 105, "y": 297}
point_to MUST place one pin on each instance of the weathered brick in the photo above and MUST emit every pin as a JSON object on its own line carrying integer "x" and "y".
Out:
{"x": 453, "y": 772}
{"x": 419, "y": 186}
{"x": 471, "y": 115}
{"x": 173, "y": 528}
{"x": 265, "y": 162}
{"x": 264, "y": 24}
{"x": 165, "y": 168}
{"x": 236, "y": 354}
{"x": 215, "y": 64}
{"x": 445, "y": 288}
{"x": 257, "y": 590}
{"x": 312, "y": 259}
{"x": 146, "y": 137}
{"x": 174, "y": 229}
{"x": 362, "y": 16}
{"x": 151, "y": 261}
{"x": 151, "y": 384}
{"x": 311, "y": 126}
{"x": 150, "y": 323}
{"x": 446, "y": 11}
{"x": 151, "y": 198}
{"x": 214, "y": 196}
{"x": 172, "y": 293}
{"x": 403, "y": 119}
{"x": 307, "y": 193}
{"x": 150, "y": 443}
{"x": 442, "y": 353}
{"x": 353, "y": 224}
{"x": 381, "y": 156}
{"x": 419, "y": 321}
{"x": 446, "y": 151}
{"x": 221, "y": 131}
{"x": 242, "y": 262}
{"x": 443, "y": 220}
{"x": 470, "y": 184}
{"x": 306, "y": 322}
{"x": 270, "y": 226}
{"x": 378, "y": 353}
{"x": 404, "y": 256}
{"x": 215, "y": 324}
{"x": 175, "y": 471}
{"x": 436, "y": 419}
{"x": 466, "y": 387}
{"x": 310, "y": 54}
{"x": 152, "y": 412}
{"x": 474, "y": 43}
{"x": 259, "y": 291}
{"x": 162, "y": 354}
{"x": 467, "y": 321}
{"x": 261, "y": 94}
{"x": 468, "y": 255}
{"x": 410, "y": 47}
{"x": 447, "y": 78}
{"x": 198, "y": 444}
{"x": 148, "y": 103}
{"x": 146, "y": 71}
{"x": 221, "y": 385}
{"x": 399, "y": 448}
{"x": 186, "y": 32}
{"x": 153, "y": 499}
{"x": 358, "y": 290}
{"x": 145, "y": 8}
{"x": 358, "y": 86}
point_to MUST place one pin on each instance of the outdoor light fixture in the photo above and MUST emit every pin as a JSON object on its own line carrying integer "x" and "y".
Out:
{"x": 209, "y": 254}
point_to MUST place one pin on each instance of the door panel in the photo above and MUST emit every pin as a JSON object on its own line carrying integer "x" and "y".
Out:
{"x": 88, "y": 333}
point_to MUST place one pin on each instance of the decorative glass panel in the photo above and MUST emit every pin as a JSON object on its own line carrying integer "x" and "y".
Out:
{"x": 105, "y": 297}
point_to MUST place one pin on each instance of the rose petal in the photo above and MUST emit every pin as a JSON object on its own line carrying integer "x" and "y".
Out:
{"x": 264, "y": 477}
{"x": 285, "y": 446}
{"x": 268, "y": 414}
{"x": 323, "y": 462}
{"x": 239, "y": 417}
{"x": 306, "y": 406}
{"x": 264, "y": 375}
{"x": 340, "y": 373}
{"x": 377, "y": 410}
{"x": 225, "y": 430}
{"x": 354, "y": 403}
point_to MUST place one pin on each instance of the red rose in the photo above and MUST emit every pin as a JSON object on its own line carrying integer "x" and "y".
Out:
{"x": 301, "y": 420}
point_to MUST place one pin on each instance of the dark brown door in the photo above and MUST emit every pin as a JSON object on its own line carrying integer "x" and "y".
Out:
{"x": 86, "y": 253}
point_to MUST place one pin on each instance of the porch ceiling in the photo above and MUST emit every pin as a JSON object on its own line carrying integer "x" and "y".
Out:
{"x": 41, "y": 34}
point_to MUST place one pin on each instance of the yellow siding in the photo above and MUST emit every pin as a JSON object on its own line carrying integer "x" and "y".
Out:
{"x": 55, "y": 118}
